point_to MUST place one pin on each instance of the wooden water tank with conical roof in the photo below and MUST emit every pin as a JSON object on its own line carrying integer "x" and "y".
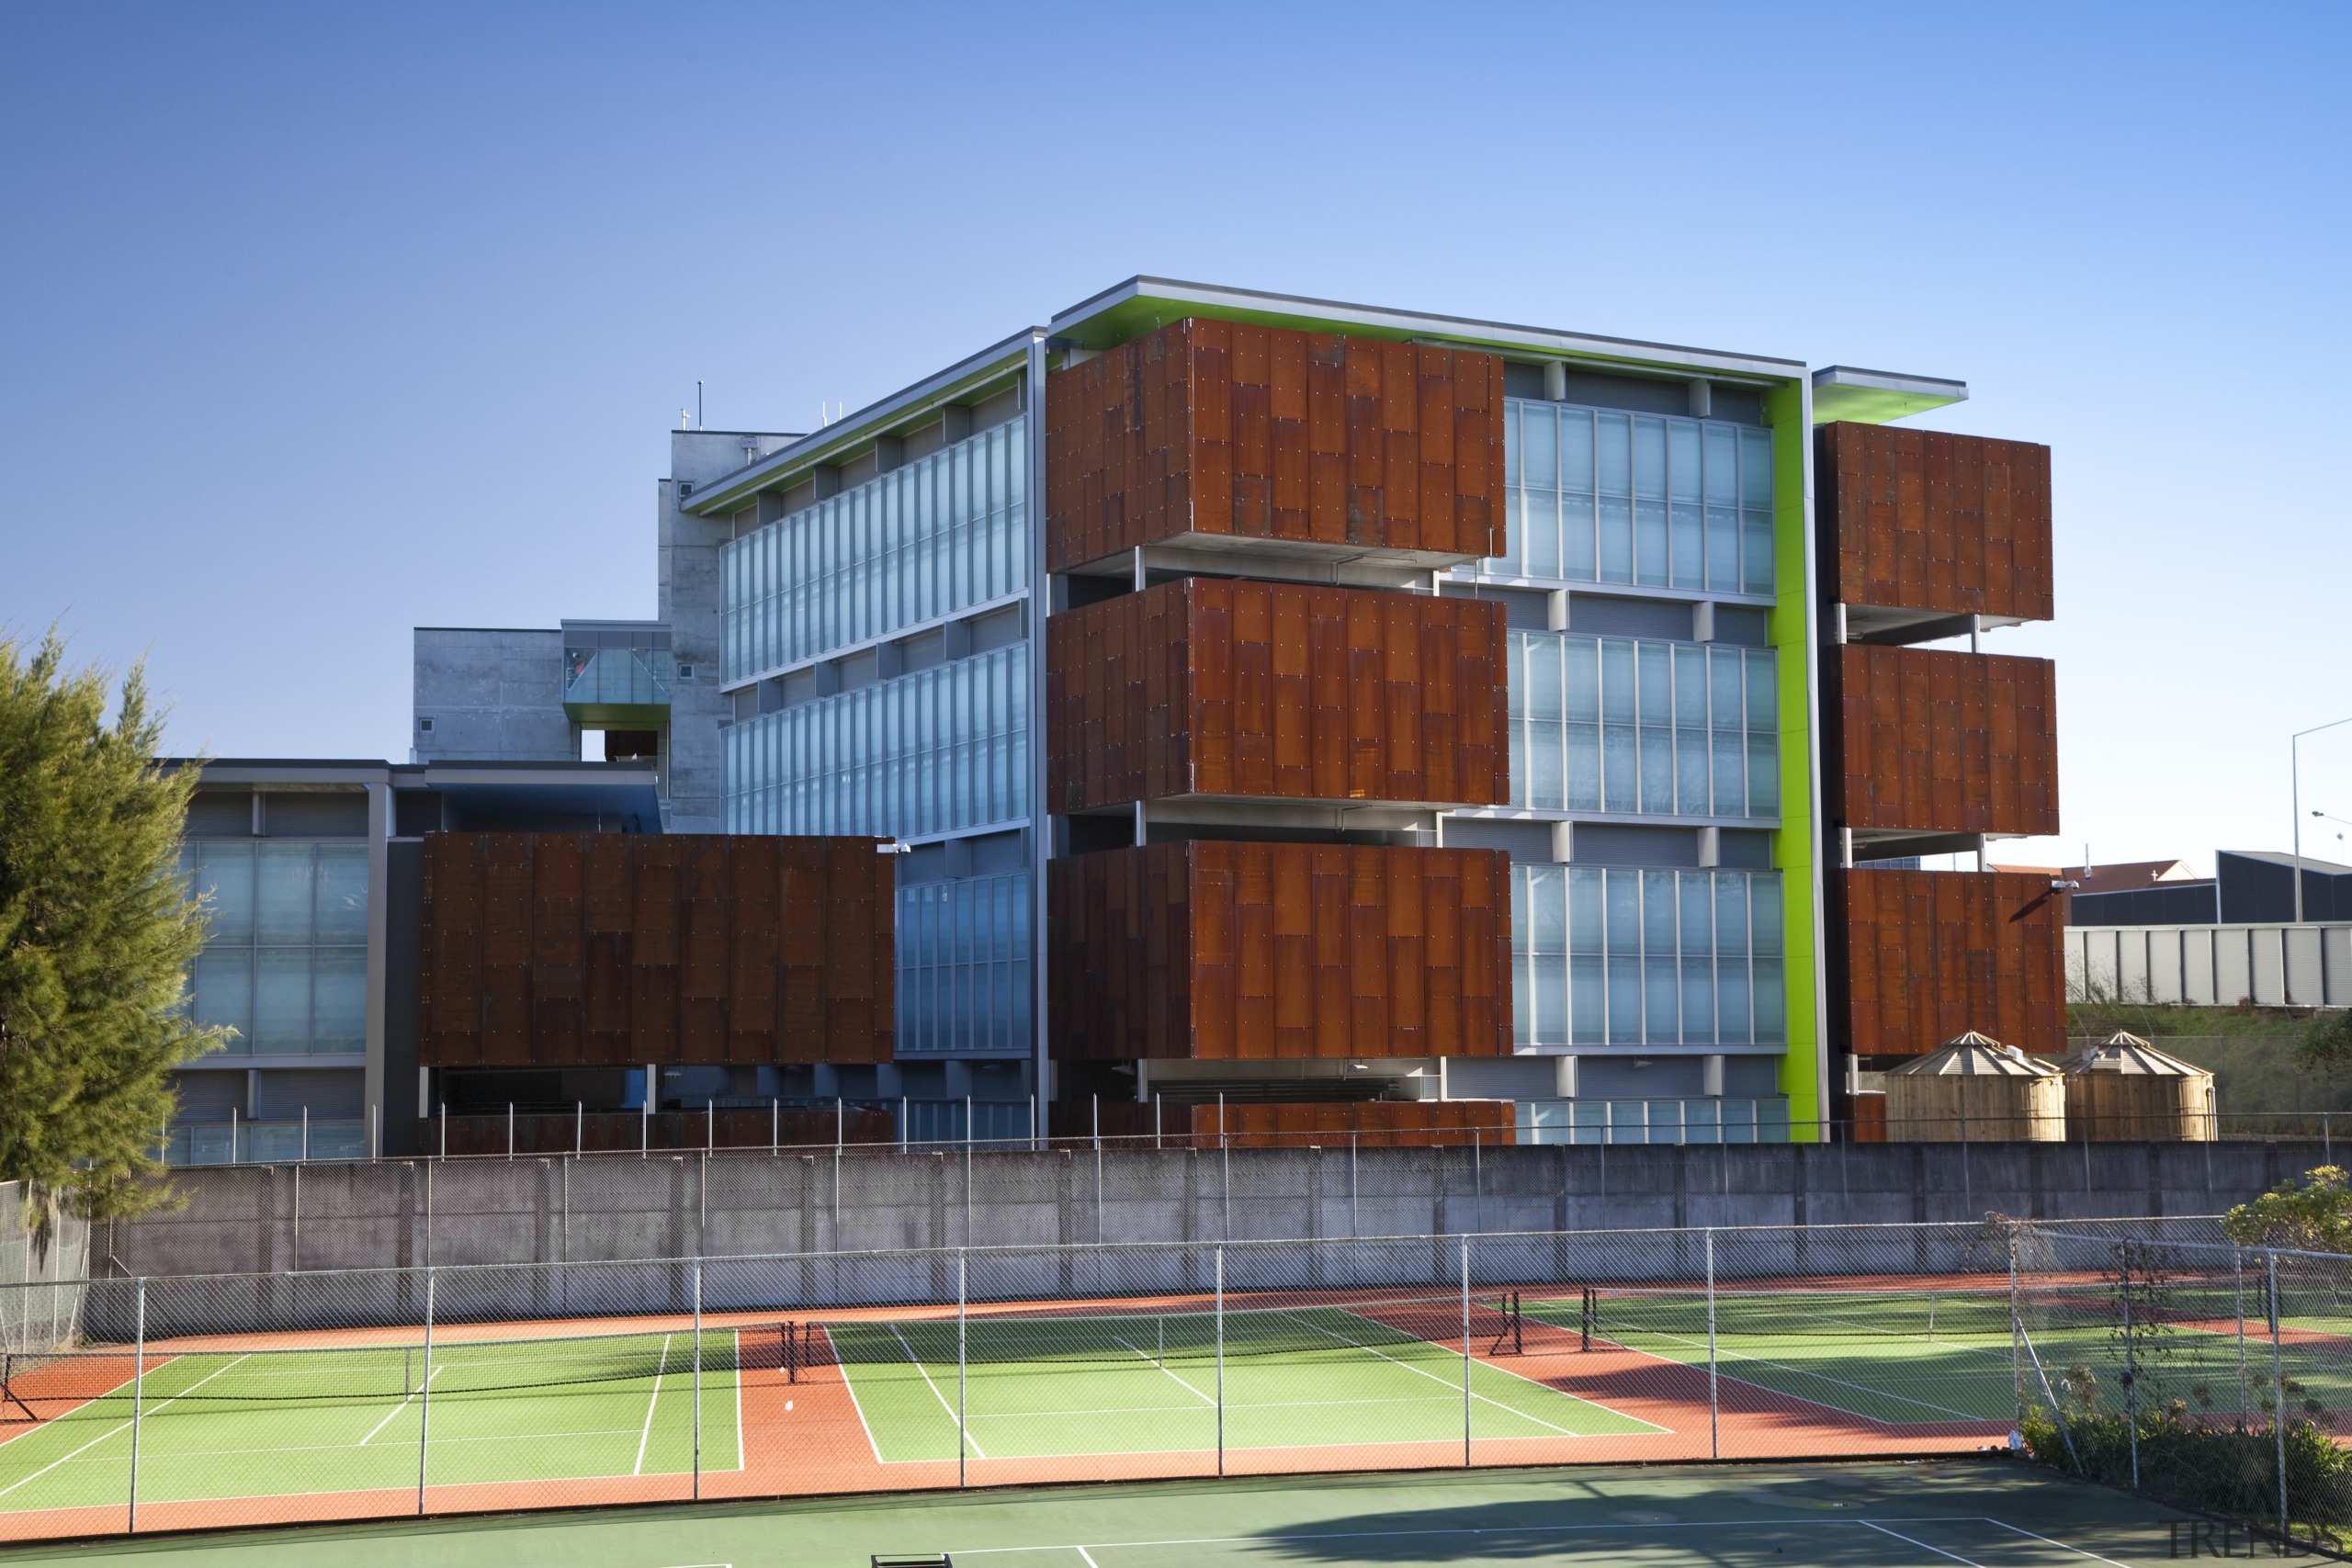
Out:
{"x": 1976, "y": 1091}
{"x": 2123, "y": 1090}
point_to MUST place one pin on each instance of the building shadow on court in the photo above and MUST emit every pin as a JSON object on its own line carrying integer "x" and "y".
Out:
{"x": 1726, "y": 1521}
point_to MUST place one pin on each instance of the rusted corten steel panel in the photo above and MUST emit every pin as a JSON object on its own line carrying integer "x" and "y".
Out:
{"x": 1228, "y": 951}
{"x": 605, "y": 948}
{"x": 1260, "y": 433}
{"x": 1214, "y": 686}
{"x": 1924, "y": 520}
{"x": 1927, "y": 954}
{"x": 1936, "y": 741}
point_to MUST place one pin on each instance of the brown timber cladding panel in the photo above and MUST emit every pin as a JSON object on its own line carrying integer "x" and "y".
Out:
{"x": 1262, "y": 432}
{"x": 1230, "y": 950}
{"x": 1929, "y": 954}
{"x": 1211, "y": 686}
{"x": 1939, "y": 741}
{"x": 1924, "y": 520}
{"x": 564, "y": 949}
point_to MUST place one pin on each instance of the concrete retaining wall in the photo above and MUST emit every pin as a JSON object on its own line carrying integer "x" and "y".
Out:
{"x": 272, "y": 1219}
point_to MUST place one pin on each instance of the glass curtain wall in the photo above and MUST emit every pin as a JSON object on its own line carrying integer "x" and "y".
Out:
{"x": 1600, "y": 495}
{"x": 285, "y": 964}
{"x": 1605, "y": 956}
{"x": 937, "y": 537}
{"x": 964, "y": 966}
{"x": 1605, "y": 724}
{"x": 937, "y": 751}
{"x": 616, "y": 670}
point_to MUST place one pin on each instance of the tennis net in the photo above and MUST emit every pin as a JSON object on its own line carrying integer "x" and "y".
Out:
{"x": 1179, "y": 1332}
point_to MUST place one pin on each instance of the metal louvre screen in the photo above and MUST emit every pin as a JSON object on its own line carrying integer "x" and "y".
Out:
{"x": 2141, "y": 1352}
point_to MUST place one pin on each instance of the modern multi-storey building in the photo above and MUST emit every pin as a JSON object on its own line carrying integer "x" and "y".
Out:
{"x": 1309, "y": 717}
{"x": 313, "y": 871}
{"x": 470, "y": 955}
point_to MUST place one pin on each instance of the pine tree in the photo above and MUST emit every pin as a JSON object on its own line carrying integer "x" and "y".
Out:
{"x": 97, "y": 934}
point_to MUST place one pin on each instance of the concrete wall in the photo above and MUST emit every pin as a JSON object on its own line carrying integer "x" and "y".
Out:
{"x": 494, "y": 694}
{"x": 398, "y": 1213}
{"x": 687, "y": 577}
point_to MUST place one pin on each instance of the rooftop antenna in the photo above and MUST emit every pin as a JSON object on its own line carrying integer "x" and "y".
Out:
{"x": 698, "y": 425}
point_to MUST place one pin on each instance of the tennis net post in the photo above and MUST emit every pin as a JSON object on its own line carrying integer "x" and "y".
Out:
{"x": 8, "y": 1394}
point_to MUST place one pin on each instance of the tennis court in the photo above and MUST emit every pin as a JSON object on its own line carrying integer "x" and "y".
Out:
{"x": 1977, "y": 1512}
{"x": 1179, "y": 1381}
{"x": 1897, "y": 1357}
{"x": 898, "y": 1373}
{"x": 280, "y": 1422}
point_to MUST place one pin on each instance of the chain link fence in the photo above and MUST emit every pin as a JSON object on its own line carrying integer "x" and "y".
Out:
{"x": 199, "y": 1401}
{"x": 2215, "y": 1378}
{"x": 44, "y": 1253}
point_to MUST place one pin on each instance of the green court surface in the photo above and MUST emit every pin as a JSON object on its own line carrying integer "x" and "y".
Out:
{"x": 1926, "y": 1356}
{"x": 1311, "y": 1377}
{"x": 1893, "y": 1357}
{"x": 1989, "y": 1513}
{"x": 221, "y": 1424}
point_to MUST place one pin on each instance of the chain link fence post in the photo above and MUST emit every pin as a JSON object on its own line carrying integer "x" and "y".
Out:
{"x": 1714, "y": 1441}
{"x": 2237, "y": 1304}
{"x": 2131, "y": 1364}
{"x": 1220, "y": 1361}
{"x": 1466, "y": 1352}
{"x": 425, "y": 1394}
{"x": 138, "y": 1401}
{"x": 2016, "y": 1355}
{"x": 697, "y": 1455}
{"x": 2278, "y": 1392}
{"x": 963, "y": 1440}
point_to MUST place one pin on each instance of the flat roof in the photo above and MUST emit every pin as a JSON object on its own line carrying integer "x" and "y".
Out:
{"x": 1849, "y": 393}
{"x": 433, "y": 775}
{"x": 1143, "y": 303}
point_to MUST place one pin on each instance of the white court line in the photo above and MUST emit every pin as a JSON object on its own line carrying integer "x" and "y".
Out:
{"x": 1447, "y": 1391}
{"x": 1474, "y": 1394}
{"x": 403, "y": 1404}
{"x": 1793, "y": 1370}
{"x": 1922, "y": 1545}
{"x": 850, "y": 1383}
{"x": 2077, "y": 1550}
{"x": 110, "y": 1431}
{"x": 642, "y": 1438}
{"x": 1088, "y": 1555}
{"x": 961, "y": 1430}
{"x": 1162, "y": 1368}
{"x": 1532, "y": 1382}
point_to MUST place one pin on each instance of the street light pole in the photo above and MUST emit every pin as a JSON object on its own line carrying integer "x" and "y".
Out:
{"x": 2295, "y": 799}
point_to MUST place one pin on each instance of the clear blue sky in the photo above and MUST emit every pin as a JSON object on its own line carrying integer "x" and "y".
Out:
{"x": 323, "y": 322}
